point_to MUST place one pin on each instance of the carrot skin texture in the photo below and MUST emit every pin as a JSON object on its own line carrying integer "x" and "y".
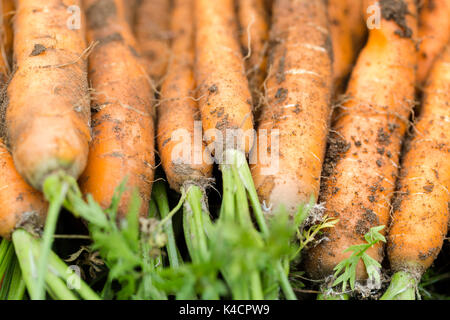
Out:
{"x": 21, "y": 205}
{"x": 434, "y": 34}
{"x": 152, "y": 26}
{"x": 364, "y": 156}
{"x": 123, "y": 127}
{"x": 48, "y": 112}
{"x": 179, "y": 110}
{"x": 7, "y": 10}
{"x": 348, "y": 30}
{"x": 298, "y": 92}
{"x": 421, "y": 212}
{"x": 254, "y": 24}
{"x": 224, "y": 96}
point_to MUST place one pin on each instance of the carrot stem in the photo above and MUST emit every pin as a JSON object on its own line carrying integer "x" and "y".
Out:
{"x": 24, "y": 252}
{"x": 160, "y": 194}
{"x": 17, "y": 285}
{"x": 403, "y": 287}
{"x": 56, "y": 199}
{"x": 194, "y": 198}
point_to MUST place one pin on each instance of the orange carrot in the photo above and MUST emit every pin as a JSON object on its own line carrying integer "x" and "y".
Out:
{"x": 434, "y": 33}
{"x": 48, "y": 112}
{"x": 152, "y": 26}
{"x": 7, "y": 10}
{"x": 421, "y": 212}
{"x": 363, "y": 156}
{"x": 298, "y": 94}
{"x": 254, "y": 23}
{"x": 179, "y": 110}
{"x": 123, "y": 128}
{"x": 21, "y": 205}
{"x": 225, "y": 99}
{"x": 130, "y": 11}
{"x": 347, "y": 32}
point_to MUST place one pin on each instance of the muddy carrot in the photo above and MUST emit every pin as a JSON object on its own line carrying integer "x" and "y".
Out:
{"x": 182, "y": 157}
{"x": 434, "y": 33}
{"x": 22, "y": 206}
{"x": 295, "y": 120}
{"x": 152, "y": 26}
{"x": 47, "y": 111}
{"x": 363, "y": 156}
{"x": 254, "y": 24}
{"x": 421, "y": 212}
{"x": 122, "y": 146}
{"x": 47, "y": 116}
{"x": 225, "y": 100}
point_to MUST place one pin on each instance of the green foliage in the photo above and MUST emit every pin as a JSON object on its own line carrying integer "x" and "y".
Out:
{"x": 345, "y": 271}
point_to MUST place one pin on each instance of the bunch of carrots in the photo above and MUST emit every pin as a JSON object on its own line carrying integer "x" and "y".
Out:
{"x": 304, "y": 143}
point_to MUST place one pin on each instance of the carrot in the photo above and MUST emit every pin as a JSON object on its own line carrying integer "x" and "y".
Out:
{"x": 21, "y": 205}
{"x": 47, "y": 116}
{"x": 225, "y": 100}
{"x": 434, "y": 33}
{"x": 47, "y": 112}
{"x": 130, "y": 11}
{"x": 123, "y": 128}
{"x": 298, "y": 94}
{"x": 7, "y": 9}
{"x": 179, "y": 110}
{"x": 421, "y": 212}
{"x": 152, "y": 25}
{"x": 363, "y": 156}
{"x": 347, "y": 30}
{"x": 254, "y": 23}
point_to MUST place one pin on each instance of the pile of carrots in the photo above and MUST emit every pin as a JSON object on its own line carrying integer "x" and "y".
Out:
{"x": 350, "y": 98}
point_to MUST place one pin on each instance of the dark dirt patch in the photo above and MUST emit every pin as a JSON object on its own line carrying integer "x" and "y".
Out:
{"x": 280, "y": 71}
{"x": 115, "y": 37}
{"x": 37, "y": 50}
{"x": 98, "y": 14}
{"x": 430, "y": 253}
{"x": 428, "y": 188}
{"x": 213, "y": 89}
{"x": 281, "y": 95}
{"x": 337, "y": 147}
{"x": 383, "y": 137}
{"x": 396, "y": 10}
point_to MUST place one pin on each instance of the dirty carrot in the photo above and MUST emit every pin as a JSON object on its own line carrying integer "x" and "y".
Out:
{"x": 347, "y": 30}
{"x": 295, "y": 120}
{"x": 122, "y": 146}
{"x": 47, "y": 105}
{"x": 47, "y": 115}
{"x": 434, "y": 33}
{"x": 22, "y": 206}
{"x": 224, "y": 97}
{"x": 254, "y": 24}
{"x": 152, "y": 32}
{"x": 421, "y": 212}
{"x": 363, "y": 157}
{"x": 182, "y": 156}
